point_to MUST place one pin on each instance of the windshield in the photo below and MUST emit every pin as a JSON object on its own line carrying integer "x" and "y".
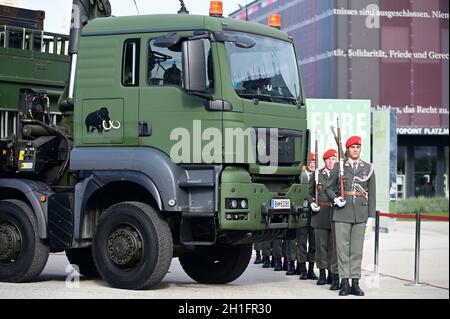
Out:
{"x": 268, "y": 71}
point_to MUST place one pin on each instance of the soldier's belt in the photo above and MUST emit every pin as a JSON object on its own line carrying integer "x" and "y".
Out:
{"x": 324, "y": 204}
{"x": 357, "y": 194}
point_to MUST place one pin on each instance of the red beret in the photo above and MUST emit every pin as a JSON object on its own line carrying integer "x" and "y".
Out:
{"x": 352, "y": 141}
{"x": 329, "y": 154}
{"x": 312, "y": 157}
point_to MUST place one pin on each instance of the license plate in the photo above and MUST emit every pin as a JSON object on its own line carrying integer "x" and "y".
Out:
{"x": 281, "y": 203}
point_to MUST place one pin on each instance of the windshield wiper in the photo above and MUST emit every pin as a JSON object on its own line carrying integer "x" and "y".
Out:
{"x": 265, "y": 97}
{"x": 293, "y": 100}
{"x": 270, "y": 98}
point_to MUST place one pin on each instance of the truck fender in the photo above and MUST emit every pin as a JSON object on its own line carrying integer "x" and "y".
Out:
{"x": 152, "y": 163}
{"x": 100, "y": 179}
{"x": 32, "y": 191}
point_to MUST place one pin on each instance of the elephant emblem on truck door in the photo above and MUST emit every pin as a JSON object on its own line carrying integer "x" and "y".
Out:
{"x": 99, "y": 120}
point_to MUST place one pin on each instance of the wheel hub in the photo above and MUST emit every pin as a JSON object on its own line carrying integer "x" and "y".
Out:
{"x": 124, "y": 246}
{"x": 10, "y": 243}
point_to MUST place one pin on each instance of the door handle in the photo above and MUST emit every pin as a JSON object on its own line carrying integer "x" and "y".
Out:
{"x": 145, "y": 128}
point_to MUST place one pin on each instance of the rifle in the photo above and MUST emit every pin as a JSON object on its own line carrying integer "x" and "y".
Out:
{"x": 341, "y": 156}
{"x": 316, "y": 172}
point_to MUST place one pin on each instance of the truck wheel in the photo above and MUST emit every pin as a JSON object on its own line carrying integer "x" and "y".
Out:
{"x": 82, "y": 257}
{"x": 132, "y": 246}
{"x": 23, "y": 254}
{"x": 216, "y": 264}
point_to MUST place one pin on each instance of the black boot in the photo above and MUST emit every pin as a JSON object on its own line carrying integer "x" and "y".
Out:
{"x": 266, "y": 262}
{"x": 322, "y": 278}
{"x": 311, "y": 274}
{"x": 278, "y": 265}
{"x": 329, "y": 278}
{"x": 334, "y": 282}
{"x": 258, "y": 259}
{"x": 297, "y": 269}
{"x": 303, "y": 271}
{"x": 345, "y": 287}
{"x": 355, "y": 290}
{"x": 285, "y": 264}
{"x": 272, "y": 262}
{"x": 291, "y": 268}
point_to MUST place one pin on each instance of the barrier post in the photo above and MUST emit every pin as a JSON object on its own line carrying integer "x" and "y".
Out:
{"x": 377, "y": 242}
{"x": 417, "y": 255}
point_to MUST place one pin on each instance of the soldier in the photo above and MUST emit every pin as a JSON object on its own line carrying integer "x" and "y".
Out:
{"x": 350, "y": 215}
{"x": 284, "y": 249}
{"x": 277, "y": 253}
{"x": 321, "y": 222}
{"x": 290, "y": 251}
{"x": 266, "y": 253}
{"x": 306, "y": 247}
{"x": 258, "y": 247}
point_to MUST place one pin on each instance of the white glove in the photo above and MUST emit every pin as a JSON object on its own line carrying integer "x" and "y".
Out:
{"x": 315, "y": 208}
{"x": 369, "y": 222}
{"x": 339, "y": 201}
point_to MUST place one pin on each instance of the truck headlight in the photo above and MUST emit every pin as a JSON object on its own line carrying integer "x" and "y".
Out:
{"x": 236, "y": 203}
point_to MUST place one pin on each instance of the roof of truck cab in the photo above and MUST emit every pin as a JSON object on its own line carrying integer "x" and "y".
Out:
{"x": 174, "y": 22}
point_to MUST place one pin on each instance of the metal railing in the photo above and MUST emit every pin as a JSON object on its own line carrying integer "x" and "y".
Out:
{"x": 418, "y": 217}
{"x": 33, "y": 40}
{"x": 8, "y": 122}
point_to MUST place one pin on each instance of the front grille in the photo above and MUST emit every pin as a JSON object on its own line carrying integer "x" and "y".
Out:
{"x": 286, "y": 146}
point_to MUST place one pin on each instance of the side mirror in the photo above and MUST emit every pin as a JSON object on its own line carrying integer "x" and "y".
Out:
{"x": 167, "y": 41}
{"x": 244, "y": 42}
{"x": 194, "y": 66}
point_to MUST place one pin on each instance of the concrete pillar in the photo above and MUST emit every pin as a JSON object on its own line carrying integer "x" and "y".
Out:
{"x": 410, "y": 171}
{"x": 440, "y": 171}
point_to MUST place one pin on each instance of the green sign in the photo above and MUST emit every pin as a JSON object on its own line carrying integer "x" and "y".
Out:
{"x": 385, "y": 163}
{"x": 381, "y": 146}
{"x": 354, "y": 119}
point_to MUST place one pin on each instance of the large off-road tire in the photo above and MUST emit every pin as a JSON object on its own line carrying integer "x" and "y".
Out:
{"x": 23, "y": 254}
{"x": 82, "y": 257}
{"x": 132, "y": 246}
{"x": 216, "y": 264}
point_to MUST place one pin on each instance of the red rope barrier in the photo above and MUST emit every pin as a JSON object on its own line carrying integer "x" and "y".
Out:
{"x": 414, "y": 216}
{"x": 434, "y": 217}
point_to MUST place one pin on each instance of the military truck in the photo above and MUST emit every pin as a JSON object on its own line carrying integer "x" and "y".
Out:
{"x": 157, "y": 147}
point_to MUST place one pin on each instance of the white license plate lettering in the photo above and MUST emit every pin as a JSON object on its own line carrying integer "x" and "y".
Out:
{"x": 281, "y": 204}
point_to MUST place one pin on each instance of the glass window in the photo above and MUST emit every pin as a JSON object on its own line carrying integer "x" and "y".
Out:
{"x": 401, "y": 160}
{"x": 425, "y": 158}
{"x": 267, "y": 71}
{"x": 130, "y": 64}
{"x": 165, "y": 65}
{"x": 209, "y": 65}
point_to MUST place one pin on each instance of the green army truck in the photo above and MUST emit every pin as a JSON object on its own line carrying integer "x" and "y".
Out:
{"x": 176, "y": 136}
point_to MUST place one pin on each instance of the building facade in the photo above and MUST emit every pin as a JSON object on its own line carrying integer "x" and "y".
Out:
{"x": 394, "y": 53}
